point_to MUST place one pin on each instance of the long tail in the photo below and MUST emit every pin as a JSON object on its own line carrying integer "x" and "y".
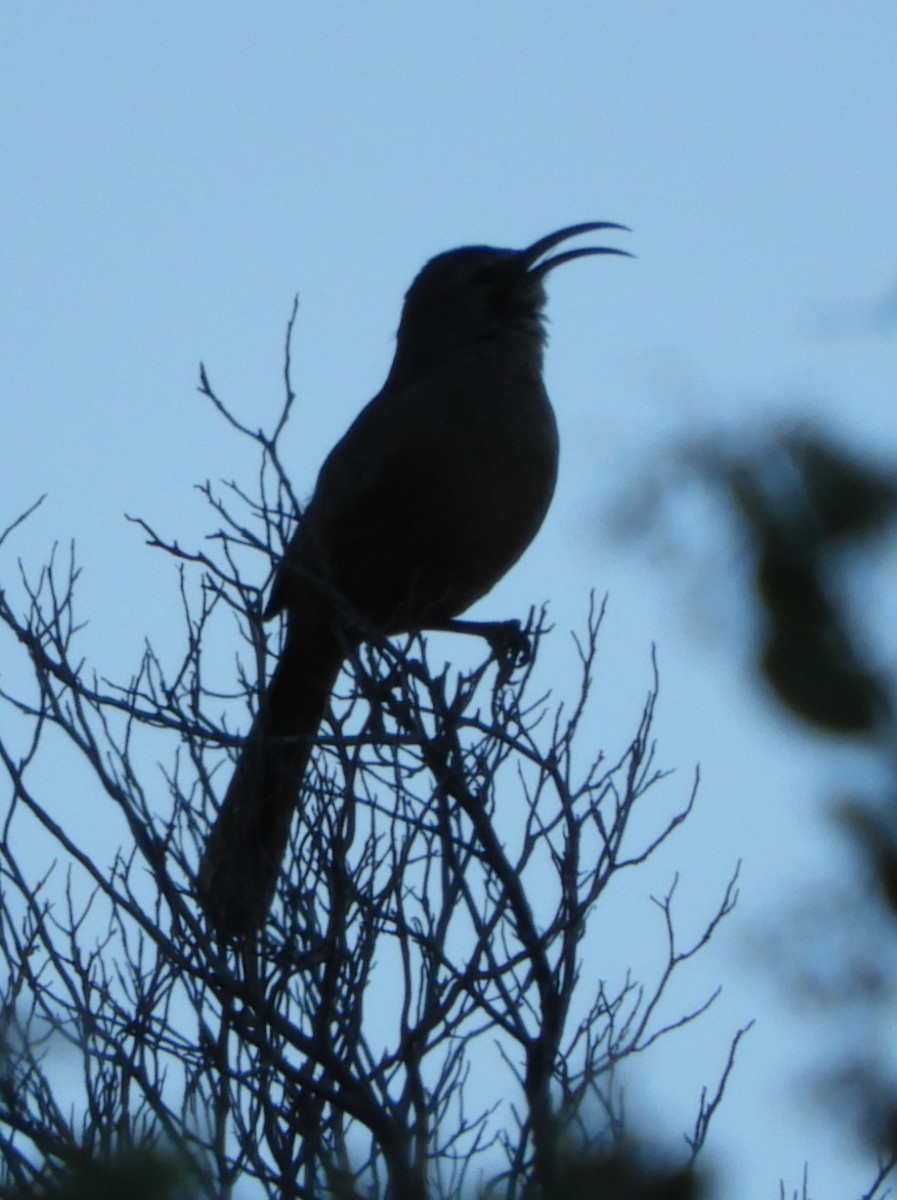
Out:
{"x": 246, "y": 845}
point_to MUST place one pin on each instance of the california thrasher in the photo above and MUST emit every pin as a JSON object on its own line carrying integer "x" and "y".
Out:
{"x": 436, "y": 489}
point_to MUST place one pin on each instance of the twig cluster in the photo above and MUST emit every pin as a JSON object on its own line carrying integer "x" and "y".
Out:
{"x": 418, "y": 1007}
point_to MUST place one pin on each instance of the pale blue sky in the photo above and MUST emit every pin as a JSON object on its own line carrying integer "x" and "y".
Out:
{"x": 173, "y": 173}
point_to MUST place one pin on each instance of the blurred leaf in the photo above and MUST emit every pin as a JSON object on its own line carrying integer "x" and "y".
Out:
{"x": 622, "y": 1175}
{"x": 878, "y": 840}
{"x": 141, "y": 1173}
{"x": 791, "y": 589}
{"x": 815, "y": 675}
{"x": 849, "y": 498}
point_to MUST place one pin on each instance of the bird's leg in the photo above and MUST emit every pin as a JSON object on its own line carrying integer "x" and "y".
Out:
{"x": 509, "y": 642}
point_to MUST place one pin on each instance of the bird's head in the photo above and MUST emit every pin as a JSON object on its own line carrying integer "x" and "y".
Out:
{"x": 478, "y": 295}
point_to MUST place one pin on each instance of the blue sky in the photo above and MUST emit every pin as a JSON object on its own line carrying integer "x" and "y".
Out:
{"x": 174, "y": 173}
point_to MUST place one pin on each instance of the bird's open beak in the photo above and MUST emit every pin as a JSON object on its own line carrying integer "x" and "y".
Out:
{"x": 531, "y": 255}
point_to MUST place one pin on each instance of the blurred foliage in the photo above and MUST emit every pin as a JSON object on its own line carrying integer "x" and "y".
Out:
{"x": 803, "y": 501}
{"x": 809, "y": 507}
{"x": 135, "y": 1173}
{"x": 623, "y": 1174}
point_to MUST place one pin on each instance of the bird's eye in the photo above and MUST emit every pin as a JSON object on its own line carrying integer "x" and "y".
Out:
{"x": 491, "y": 277}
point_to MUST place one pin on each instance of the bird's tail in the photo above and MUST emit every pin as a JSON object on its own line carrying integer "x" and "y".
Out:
{"x": 246, "y": 845}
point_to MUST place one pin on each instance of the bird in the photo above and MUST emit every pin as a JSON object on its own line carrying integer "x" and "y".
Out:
{"x": 430, "y": 497}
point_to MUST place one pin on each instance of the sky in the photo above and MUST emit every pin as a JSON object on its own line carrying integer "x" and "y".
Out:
{"x": 173, "y": 174}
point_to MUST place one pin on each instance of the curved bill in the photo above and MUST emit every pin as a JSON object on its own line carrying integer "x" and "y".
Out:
{"x": 532, "y": 253}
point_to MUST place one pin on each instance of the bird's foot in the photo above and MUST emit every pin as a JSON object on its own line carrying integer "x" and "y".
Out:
{"x": 510, "y": 643}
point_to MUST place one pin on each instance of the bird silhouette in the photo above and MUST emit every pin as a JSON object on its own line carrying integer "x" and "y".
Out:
{"x": 434, "y": 492}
